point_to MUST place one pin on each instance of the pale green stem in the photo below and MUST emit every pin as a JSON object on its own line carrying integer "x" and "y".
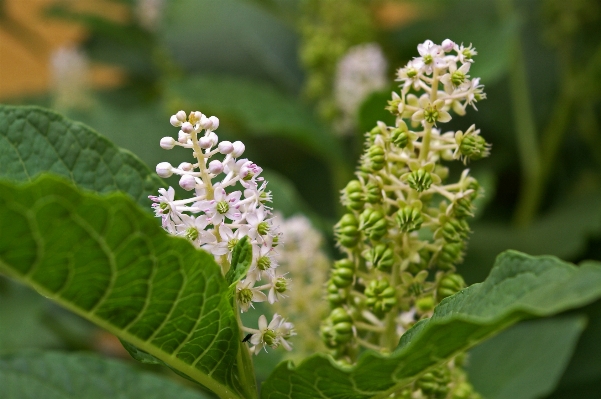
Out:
{"x": 423, "y": 152}
{"x": 245, "y": 364}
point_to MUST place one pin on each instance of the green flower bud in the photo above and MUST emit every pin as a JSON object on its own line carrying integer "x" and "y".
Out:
{"x": 347, "y": 231}
{"x": 474, "y": 147}
{"x": 338, "y": 328}
{"x": 281, "y": 285}
{"x": 464, "y": 390}
{"x": 424, "y": 261}
{"x": 269, "y": 337}
{"x": 263, "y": 228}
{"x": 263, "y": 263}
{"x": 455, "y": 230}
{"x": 450, "y": 255}
{"x": 275, "y": 241}
{"x": 335, "y": 296}
{"x": 343, "y": 274}
{"x": 419, "y": 180}
{"x": 373, "y": 222}
{"x": 409, "y": 219}
{"x": 376, "y": 158}
{"x": 400, "y": 138}
{"x": 457, "y": 77}
{"x": 232, "y": 243}
{"x": 450, "y": 285}
{"x": 435, "y": 384}
{"x": 474, "y": 185}
{"x": 373, "y": 193}
{"x": 192, "y": 233}
{"x": 381, "y": 297}
{"x": 425, "y": 304}
{"x": 223, "y": 207}
{"x": 463, "y": 207}
{"x": 373, "y": 133}
{"x": 382, "y": 257}
{"x": 354, "y": 195}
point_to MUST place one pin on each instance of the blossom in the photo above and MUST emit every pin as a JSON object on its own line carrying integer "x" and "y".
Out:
{"x": 216, "y": 217}
{"x": 273, "y": 335}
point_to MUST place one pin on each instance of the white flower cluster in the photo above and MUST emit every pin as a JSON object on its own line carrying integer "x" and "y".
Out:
{"x": 228, "y": 203}
{"x": 359, "y": 73}
{"x": 437, "y": 64}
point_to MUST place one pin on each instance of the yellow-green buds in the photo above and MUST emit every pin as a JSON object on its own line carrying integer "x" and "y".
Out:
{"x": 373, "y": 222}
{"x": 400, "y": 137}
{"x": 338, "y": 328}
{"x": 373, "y": 193}
{"x": 462, "y": 207}
{"x": 335, "y": 295}
{"x": 455, "y": 230}
{"x": 343, "y": 274}
{"x": 263, "y": 228}
{"x": 381, "y": 257}
{"x": 435, "y": 384}
{"x": 409, "y": 219}
{"x": 347, "y": 231}
{"x": 376, "y": 158}
{"x": 419, "y": 180}
{"x": 450, "y": 285}
{"x": 381, "y": 297}
{"x": 450, "y": 254}
{"x": 425, "y": 304}
{"x": 354, "y": 195}
{"x": 474, "y": 147}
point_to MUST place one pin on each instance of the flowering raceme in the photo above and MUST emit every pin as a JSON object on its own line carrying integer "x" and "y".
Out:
{"x": 406, "y": 227}
{"x": 228, "y": 204}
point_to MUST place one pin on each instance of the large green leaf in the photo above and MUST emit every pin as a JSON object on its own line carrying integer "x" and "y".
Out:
{"x": 34, "y": 140}
{"x": 110, "y": 262}
{"x": 526, "y": 361}
{"x": 257, "y": 109}
{"x": 52, "y": 375}
{"x": 519, "y": 286}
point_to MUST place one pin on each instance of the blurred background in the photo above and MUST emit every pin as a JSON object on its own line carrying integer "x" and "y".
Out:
{"x": 300, "y": 82}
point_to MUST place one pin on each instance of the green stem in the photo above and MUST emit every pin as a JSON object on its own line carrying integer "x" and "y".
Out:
{"x": 245, "y": 364}
{"x": 525, "y": 127}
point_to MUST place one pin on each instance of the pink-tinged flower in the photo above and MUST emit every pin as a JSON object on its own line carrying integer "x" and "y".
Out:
{"x": 271, "y": 335}
{"x": 432, "y": 55}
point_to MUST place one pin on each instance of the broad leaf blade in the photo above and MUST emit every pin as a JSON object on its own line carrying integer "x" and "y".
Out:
{"x": 526, "y": 361}
{"x": 110, "y": 262}
{"x": 519, "y": 286}
{"x": 51, "y": 375}
{"x": 34, "y": 140}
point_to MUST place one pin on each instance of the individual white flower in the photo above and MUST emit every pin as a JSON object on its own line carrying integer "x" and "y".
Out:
{"x": 410, "y": 75}
{"x": 258, "y": 222}
{"x": 191, "y": 227}
{"x": 432, "y": 55}
{"x": 271, "y": 335}
{"x": 279, "y": 285}
{"x": 465, "y": 54}
{"x": 456, "y": 79}
{"x": 246, "y": 294}
{"x": 431, "y": 112}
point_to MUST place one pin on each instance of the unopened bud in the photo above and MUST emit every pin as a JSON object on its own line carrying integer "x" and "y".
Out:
{"x": 187, "y": 127}
{"x": 215, "y": 167}
{"x": 447, "y": 45}
{"x": 167, "y": 143}
{"x": 238, "y": 149}
{"x": 164, "y": 169}
{"x": 187, "y": 166}
{"x": 187, "y": 182}
{"x": 225, "y": 147}
{"x": 214, "y": 122}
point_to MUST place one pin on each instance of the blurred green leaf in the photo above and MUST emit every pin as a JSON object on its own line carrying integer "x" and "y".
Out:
{"x": 519, "y": 286}
{"x": 526, "y": 361}
{"x": 256, "y": 109}
{"x": 51, "y": 375}
{"x": 35, "y": 140}
{"x": 110, "y": 262}
{"x": 563, "y": 232}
